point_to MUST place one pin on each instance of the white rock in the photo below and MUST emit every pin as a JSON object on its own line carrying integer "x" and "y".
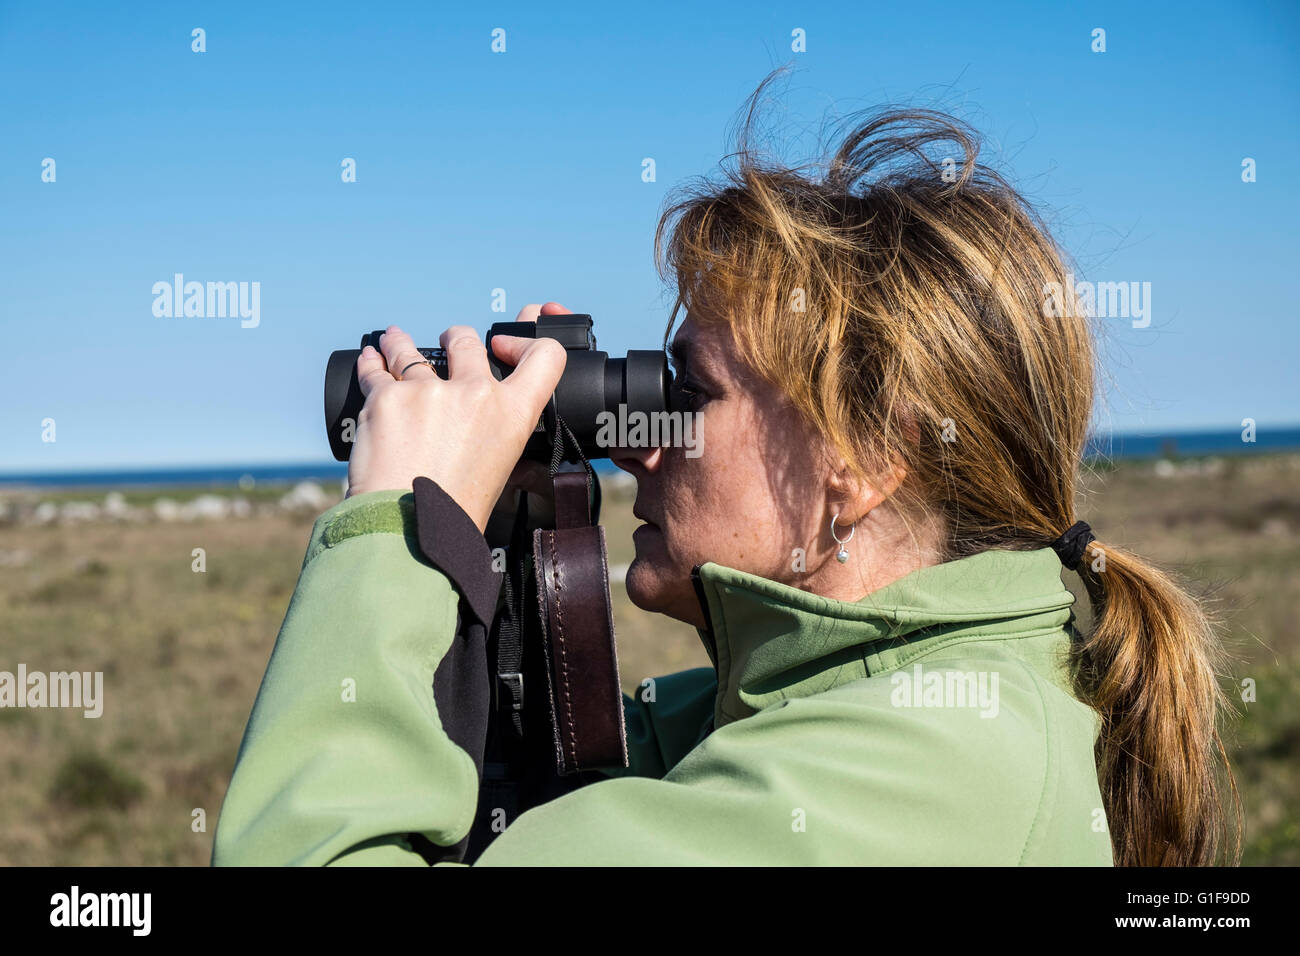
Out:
{"x": 166, "y": 509}
{"x": 45, "y": 512}
{"x": 115, "y": 505}
{"x": 208, "y": 506}
{"x": 306, "y": 495}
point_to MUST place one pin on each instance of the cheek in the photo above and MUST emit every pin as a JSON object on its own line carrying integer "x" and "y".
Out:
{"x": 721, "y": 506}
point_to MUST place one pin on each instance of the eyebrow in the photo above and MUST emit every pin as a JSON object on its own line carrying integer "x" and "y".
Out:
{"x": 680, "y": 351}
{"x": 695, "y": 363}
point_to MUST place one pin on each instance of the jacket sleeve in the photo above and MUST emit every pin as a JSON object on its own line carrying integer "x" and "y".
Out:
{"x": 365, "y": 744}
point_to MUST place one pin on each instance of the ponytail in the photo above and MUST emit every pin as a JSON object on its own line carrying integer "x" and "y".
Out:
{"x": 1151, "y": 667}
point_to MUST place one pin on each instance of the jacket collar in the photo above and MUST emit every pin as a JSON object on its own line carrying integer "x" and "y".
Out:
{"x": 770, "y": 642}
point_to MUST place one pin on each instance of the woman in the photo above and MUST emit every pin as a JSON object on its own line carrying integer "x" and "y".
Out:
{"x": 871, "y": 544}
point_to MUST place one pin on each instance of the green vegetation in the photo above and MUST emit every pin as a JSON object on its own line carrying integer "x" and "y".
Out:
{"x": 87, "y": 780}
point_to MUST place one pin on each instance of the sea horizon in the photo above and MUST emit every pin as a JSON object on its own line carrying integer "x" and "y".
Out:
{"x": 1117, "y": 446}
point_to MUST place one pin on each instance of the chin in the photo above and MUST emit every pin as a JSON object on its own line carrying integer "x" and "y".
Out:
{"x": 644, "y": 586}
{"x": 662, "y": 590}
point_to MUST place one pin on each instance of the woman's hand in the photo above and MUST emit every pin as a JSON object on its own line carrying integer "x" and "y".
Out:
{"x": 533, "y": 477}
{"x": 465, "y": 433}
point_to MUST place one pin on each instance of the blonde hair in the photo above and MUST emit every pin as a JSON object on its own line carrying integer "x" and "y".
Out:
{"x": 902, "y": 304}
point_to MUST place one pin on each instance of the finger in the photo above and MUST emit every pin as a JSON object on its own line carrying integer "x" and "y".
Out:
{"x": 371, "y": 371}
{"x": 466, "y": 356}
{"x": 399, "y": 352}
{"x": 529, "y": 313}
{"x": 538, "y": 363}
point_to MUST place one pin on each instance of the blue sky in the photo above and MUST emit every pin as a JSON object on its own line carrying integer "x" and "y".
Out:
{"x": 522, "y": 170}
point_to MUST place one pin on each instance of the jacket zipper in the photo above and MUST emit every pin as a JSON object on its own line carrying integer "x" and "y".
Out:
{"x": 713, "y": 645}
{"x": 698, "y": 584}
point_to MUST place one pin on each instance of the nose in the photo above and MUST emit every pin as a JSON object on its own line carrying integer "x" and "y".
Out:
{"x": 637, "y": 461}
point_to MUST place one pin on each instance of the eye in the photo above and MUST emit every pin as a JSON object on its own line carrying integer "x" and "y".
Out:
{"x": 686, "y": 395}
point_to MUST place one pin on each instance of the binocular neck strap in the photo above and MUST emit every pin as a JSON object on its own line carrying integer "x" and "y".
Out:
{"x": 578, "y": 625}
{"x": 572, "y": 498}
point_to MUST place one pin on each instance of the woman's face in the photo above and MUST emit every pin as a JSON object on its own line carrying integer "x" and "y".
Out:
{"x": 755, "y": 493}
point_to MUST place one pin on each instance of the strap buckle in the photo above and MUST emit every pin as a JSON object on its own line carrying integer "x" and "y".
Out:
{"x": 514, "y": 683}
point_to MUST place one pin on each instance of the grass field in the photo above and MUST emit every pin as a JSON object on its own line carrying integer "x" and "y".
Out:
{"x": 183, "y": 653}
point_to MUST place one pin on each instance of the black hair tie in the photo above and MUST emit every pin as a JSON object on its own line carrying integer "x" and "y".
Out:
{"x": 1071, "y": 546}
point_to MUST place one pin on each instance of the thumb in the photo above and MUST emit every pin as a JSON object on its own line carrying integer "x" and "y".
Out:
{"x": 538, "y": 363}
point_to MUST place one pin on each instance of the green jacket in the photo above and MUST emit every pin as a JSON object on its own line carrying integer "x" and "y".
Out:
{"x": 930, "y": 723}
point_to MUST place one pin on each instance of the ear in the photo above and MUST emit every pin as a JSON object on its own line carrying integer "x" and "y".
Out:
{"x": 854, "y": 496}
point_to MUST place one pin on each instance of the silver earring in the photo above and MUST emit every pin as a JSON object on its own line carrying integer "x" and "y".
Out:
{"x": 842, "y": 555}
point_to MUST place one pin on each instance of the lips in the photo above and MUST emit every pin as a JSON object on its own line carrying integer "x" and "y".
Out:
{"x": 636, "y": 513}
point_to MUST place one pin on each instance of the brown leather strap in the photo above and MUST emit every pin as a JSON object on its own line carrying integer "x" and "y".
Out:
{"x": 572, "y": 498}
{"x": 578, "y": 623}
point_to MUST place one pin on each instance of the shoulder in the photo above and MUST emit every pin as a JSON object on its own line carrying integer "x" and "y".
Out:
{"x": 965, "y": 761}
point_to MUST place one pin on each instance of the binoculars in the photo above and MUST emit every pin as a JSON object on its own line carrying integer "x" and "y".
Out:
{"x": 593, "y": 383}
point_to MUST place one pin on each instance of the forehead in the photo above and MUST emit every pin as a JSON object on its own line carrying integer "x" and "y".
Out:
{"x": 698, "y": 344}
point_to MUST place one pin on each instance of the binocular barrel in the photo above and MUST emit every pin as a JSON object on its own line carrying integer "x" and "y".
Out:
{"x": 592, "y": 383}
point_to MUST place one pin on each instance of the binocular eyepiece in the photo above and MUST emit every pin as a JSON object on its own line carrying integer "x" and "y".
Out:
{"x": 592, "y": 383}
